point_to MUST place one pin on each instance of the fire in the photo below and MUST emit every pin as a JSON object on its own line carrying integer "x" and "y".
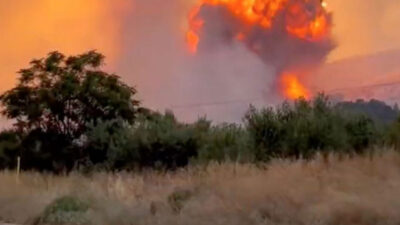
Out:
{"x": 293, "y": 88}
{"x": 193, "y": 41}
{"x": 306, "y": 26}
{"x": 299, "y": 22}
{"x": 192, "y": 37}
{"x": 287, "y": 34}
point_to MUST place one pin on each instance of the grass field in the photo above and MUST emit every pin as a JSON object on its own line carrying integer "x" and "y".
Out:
{"x": 360, "y": 190}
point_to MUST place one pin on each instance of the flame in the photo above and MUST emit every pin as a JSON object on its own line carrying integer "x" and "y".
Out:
{"x": 192, "y": 37}
{"x": 304, "y": 20}
{"x": 299, "y": 23}
{"x": 292, "y": 87}
{"x": 304, "y": 25}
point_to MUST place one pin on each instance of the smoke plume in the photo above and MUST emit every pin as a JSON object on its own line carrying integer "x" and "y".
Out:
{"x": 238, "y": 62}
{"x": 292, "y": 36}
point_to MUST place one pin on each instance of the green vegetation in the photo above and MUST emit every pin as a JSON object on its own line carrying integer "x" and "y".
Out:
{"x": 377, "y": 110}
{"x": 69, "y": 114}
{"x": 65, "y": 210}
{"x": 54, "y": 102}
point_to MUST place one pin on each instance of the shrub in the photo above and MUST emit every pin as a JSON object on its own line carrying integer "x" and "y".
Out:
{"x": 66, "y": 210}
{"x": 178, "y": 199}
{"x": 304, "y": 128}
{"x": 362, "y": 133}
{"x": 266, "y": 131}
{"x": 156, "y": 141}
{"x": 105, "y": 143}
{"x": 226, "y": 142}
{"x": 9, "y": 146}
{"x": 393, "y": 134}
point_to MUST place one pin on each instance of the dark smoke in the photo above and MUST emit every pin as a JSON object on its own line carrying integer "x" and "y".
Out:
{"x": 275, "y": 46}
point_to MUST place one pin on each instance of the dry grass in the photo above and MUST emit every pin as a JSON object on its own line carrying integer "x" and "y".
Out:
{"x": 347, "y": 191}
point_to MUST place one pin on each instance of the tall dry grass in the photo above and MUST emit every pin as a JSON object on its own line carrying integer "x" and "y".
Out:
{"x": 359, "y": 190}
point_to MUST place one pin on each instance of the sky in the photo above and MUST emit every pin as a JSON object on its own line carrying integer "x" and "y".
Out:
{"x": 32, "y": 28}
{"x": 144, "y": 41}
{"x": 364, "y": 27}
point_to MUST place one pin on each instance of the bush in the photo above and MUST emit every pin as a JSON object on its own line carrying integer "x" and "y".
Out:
{"x": 66, "y": 210}
{"x": 9, "y": 145}
{"x": 305, "y": 127}
{"x": 105, "y": 143}
{"x": 178, "y": 199}
{"x": 156, "y": 141}
{"x": 393, "y": 135}
{"x": 226, "y": 142}
{"x": 266, "y": 131}
{"x": 362, "y": 133}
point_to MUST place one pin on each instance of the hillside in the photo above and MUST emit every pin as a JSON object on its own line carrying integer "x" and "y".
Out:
{"x": 374, "y": 76}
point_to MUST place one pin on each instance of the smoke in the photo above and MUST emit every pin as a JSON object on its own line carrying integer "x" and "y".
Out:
{"x": 279, "y": 44}
{"x": 144, "y": 42}
{"x": 219, "y": 84}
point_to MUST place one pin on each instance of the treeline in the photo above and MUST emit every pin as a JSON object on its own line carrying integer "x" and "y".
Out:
{"x": 295, "y": 130}
{"x": 70, "y": 115}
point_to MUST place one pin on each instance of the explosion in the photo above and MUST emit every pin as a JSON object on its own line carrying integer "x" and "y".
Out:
{"x": 290, "y": 35}
{"x": 293, "y": 88}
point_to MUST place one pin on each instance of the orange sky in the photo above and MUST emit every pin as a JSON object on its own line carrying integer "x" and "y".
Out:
{"x": 364, "y": 26}
{"x": 32, "y": 28}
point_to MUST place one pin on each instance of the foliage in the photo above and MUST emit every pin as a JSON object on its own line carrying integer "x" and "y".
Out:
{"x": 9, "y": 143}
{"x": 56, "y": 99}
{"x": 393, "y": 134}
{"x": 378, "y": 111}
{"x": 66, "y": 210}
{"x": 226, "y": 142}
{"x": 156, "y": 141}
{"x": 362, "y": 133}
{"x": 305, "y": 127}
{"x": 69, "y": 114}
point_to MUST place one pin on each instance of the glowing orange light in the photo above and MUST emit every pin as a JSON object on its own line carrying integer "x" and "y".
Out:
{"x": 311, "y": 30}
{"x": 240, "y": 36}
{"x": 299, "y": 21}
{"x": 32, "y": 28}
{"x": 292, "y": 87}
{"x": 192, "y": 40}
{"x": 192, "y": 36}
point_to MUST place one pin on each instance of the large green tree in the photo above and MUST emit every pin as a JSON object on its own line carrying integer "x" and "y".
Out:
{"x": 57, "y": 97}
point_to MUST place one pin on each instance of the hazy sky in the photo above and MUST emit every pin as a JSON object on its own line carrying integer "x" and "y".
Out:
{"x": 142, "y": 38}
{"x": 32, "y": 28}
{"x": 365, "y": 26}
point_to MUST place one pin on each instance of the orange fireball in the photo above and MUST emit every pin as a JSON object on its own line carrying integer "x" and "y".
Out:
{"x": 292, "y": 87}
{"x": 299, "y": 21}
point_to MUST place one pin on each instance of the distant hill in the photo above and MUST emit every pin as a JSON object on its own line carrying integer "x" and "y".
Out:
{"x": 373, "y": 76}
{"x": 375, "y": 109}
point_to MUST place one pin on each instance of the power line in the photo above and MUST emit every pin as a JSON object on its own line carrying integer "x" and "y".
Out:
{"x": 366, "y": 86}
{"x": 205, "y": 104}
{"x": 249, "y": 100}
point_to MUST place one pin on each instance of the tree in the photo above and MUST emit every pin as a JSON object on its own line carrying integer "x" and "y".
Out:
{"x": 9, "y": 142}
{"x": 57, "y": 98}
